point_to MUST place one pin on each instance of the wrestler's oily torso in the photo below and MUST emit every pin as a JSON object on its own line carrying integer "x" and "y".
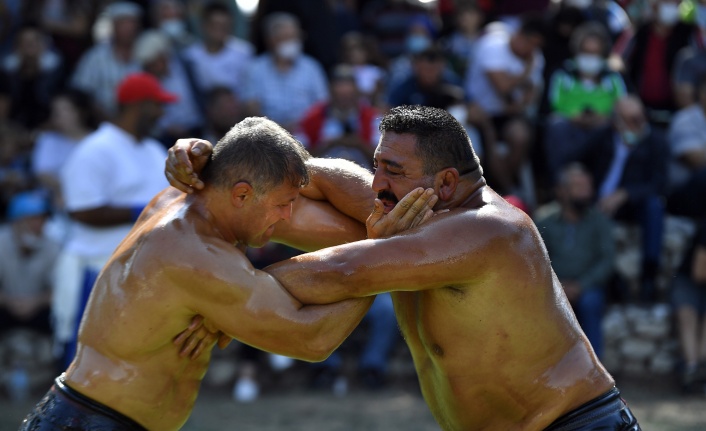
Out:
{"x": 498, "y": 355}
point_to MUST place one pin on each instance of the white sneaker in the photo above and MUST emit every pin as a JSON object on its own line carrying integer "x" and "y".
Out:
{"x": 280, "y": 363}
{"x": 245, "y": 390}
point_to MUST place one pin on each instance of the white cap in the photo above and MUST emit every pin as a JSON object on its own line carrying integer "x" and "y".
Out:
{"x": 150, "y": 45}
{"x": 122, "y": 9}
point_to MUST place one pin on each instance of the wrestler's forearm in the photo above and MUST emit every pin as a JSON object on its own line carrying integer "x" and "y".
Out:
{"x": 319, "y": 278}
{"x": 333, "y": 324}
{"x": 344, "y": 184}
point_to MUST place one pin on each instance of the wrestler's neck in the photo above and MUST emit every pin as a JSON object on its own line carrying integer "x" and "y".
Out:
{"x": 468, "y": 194}
{"x": 209, "y": 206}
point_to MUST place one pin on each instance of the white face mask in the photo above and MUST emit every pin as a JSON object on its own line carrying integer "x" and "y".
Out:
{"x": 581, "y": 4}
{"x": 289, "y": 50}
{"x": 668, "y": 13}
{"x": 589, "y": 64}
{"x": 173, "y": 28}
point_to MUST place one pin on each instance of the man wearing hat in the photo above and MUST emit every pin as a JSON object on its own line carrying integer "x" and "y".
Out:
{"x": 28, "y": 258}
{"x": 103, "y": 66}
{"x": 109, "y": 178}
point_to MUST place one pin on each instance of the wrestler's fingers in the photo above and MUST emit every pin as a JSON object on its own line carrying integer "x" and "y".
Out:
{"x": 190, "y": 344}
{"x": 202, "y": 344}
{"x": 183, "y": 335}
{"x": 223, "y": 340}
{"x": 426, "y": 212}
{"x": 201, "y": 147}
{"x": 406, "y": 204}
{"x": 377, "y": 213}
{"x": 418, "y": 207}
{"x": 182, "y": 163}
{"x": 177, "y": 184}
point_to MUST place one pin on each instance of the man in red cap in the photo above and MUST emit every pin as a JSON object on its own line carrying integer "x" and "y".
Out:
{"x": 101, "y": 204}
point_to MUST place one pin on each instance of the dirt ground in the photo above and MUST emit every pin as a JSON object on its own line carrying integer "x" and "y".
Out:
{"x": 657, "y": 403}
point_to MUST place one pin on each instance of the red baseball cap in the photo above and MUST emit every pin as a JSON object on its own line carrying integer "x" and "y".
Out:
{"x": 141, "y": 86}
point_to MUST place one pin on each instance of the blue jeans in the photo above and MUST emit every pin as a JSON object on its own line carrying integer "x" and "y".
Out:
{"x": 382, "y": 335}
{"x": 589, "y": 312}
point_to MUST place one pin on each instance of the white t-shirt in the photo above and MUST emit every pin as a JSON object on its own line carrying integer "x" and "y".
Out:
{"x": 109, "y": 167}
{"x": 223, "y": 68}
{"x": 493, "y": 54}
{"x": 51, "y": 150}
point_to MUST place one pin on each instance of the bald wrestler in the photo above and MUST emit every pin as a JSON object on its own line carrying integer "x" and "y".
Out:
{"x": 184, "y": 257}
{"x": 493, "y": 338}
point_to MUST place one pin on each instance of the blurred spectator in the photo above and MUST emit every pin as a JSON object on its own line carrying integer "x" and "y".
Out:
{"x": 359, "y": 52}
{"x": 507, "y": 166}
{"x": 689, "y": 298}
{"x": 221, "y": 59}
{"x": 72, "y": 119}
{"x": 388, "y": 21}
{"x": 421, "y": 35}
{"x": 581, "y": 97}
{"x": 10, "y": 20}
{"x": 169, "y": 17}
{"x": 610, "y": 15}
{"x": 505, "y": 75}
{"x": 28, "y": 259}
{"x": 67, "y": 23}
{"x": 651, "y": 57}
{"x": 182, "y": 118}
{"x": 106, "y": 182}
{"x": 628, "y": 161}
{"x": 15, "y": 173}
{"x": 223, "y": 110}
{"x": 103, "y": 66}
{"x": 560, "y": 28}
{"x": 691, "y": 61}
{"x": 345, "y": 126}
{"x": 580, "y": 243}
{"x": 461, "y": 43}
{"x": 382, "y": 334}
{"x": 687, "y": 174}
{"x": 320, "y": 20}
{"x": 428, "y": 85}
{"x": 283, "y": 83}
{"x": 510, "y": 11}
{"x": 32, "y": 74}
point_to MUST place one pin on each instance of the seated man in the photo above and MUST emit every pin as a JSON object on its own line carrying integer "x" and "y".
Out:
{"x": 493, "y": 339}
{"x": 580, "y": 243}
{"x": 185, "y": 256}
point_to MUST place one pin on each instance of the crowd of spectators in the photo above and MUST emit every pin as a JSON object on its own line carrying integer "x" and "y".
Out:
{"x": 585, "y": 114}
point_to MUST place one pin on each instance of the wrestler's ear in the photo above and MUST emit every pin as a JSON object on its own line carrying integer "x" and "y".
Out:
{"x": 241, "y": 193}
{"x": 447, "y": 180}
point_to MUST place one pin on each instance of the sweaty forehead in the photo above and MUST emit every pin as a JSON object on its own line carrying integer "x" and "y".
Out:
{"x": 397, "y": 148}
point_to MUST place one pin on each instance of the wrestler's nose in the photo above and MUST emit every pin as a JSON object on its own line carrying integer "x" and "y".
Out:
{"x": 286, "y": 212}
{"x": 379, "y": 182}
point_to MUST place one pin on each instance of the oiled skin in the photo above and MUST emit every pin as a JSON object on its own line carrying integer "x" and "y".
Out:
{"x": 177, "y": 263}
{"x": 495, "y": 343}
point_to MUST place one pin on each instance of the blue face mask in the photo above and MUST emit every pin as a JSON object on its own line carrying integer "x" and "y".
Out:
{"x": 631, "y": 138}
{"x": 417, "y": 43}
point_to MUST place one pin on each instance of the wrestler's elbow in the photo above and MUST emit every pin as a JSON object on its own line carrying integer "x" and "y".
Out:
{"x": 320, "y": 347}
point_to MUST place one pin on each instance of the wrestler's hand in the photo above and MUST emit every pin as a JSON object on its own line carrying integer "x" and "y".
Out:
{"x": 413, "y": 210}
{"x": 199, "y": 336}
{"x": 185, "y": 160}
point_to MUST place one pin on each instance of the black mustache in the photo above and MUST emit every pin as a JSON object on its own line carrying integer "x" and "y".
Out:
{"x": 388, "y": 196}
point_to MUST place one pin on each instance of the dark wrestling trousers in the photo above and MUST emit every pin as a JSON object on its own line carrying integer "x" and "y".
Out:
{"x": 65, "y": 409}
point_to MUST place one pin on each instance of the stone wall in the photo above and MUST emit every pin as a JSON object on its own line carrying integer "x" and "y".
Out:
{"x": 640, "y": 340}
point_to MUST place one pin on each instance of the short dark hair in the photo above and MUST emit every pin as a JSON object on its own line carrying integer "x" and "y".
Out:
{"x": 260, "y": 152}
{"x": 533, "y": 24}
{"x": 215, "y": 7}
{"x": 591, "y": 30}
{"x": 442, "y": 142}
